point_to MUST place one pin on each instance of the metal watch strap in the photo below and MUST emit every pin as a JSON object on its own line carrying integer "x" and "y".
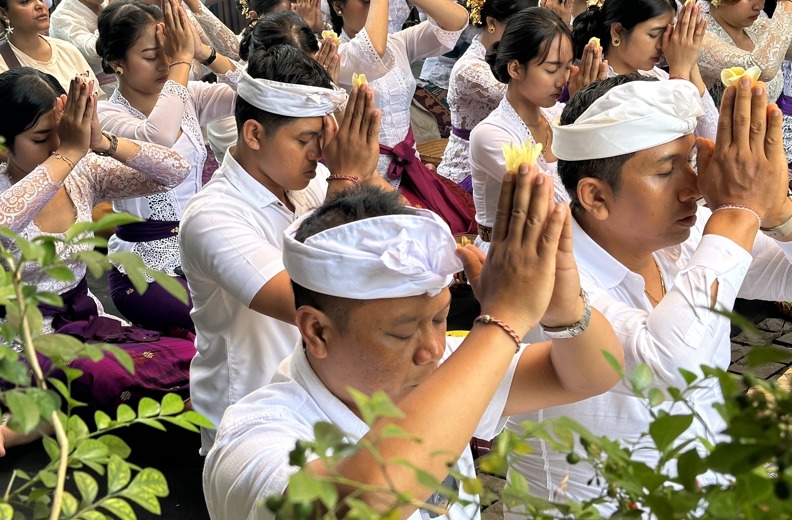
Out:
{"x": 577, "y": 328}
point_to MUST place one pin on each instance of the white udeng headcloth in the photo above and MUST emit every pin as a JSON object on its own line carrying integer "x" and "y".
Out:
{"x": 629, "y": 118}
{"x": 288, "y": 99}
{"x": 393, "y": 256}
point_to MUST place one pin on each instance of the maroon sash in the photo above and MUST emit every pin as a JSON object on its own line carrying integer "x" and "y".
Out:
{"x": 424, "y": 188}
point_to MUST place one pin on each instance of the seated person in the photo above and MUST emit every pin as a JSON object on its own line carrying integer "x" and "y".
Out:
{"x": 653, "y": 261}
{"x": 232, "y": 231}
{"x": 370, "y": 280}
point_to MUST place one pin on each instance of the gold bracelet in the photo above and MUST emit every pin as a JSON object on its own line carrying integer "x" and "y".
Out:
{"x": 65, "y": 159}
{"x": 180, "y": 62}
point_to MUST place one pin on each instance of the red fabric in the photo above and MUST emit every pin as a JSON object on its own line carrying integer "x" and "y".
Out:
{"x": 425, "y": 189}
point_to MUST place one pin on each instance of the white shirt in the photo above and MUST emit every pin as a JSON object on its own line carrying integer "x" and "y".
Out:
{"x": 65, "y": 63}
{"x": 232, "y": 241}
{"x": 175, "y": 122}
{"x": 473, "y": 93}
{"x": 250, "y": 459}
{"x": 391, "y": 77}
{"x": 487, "y": 165}
{"x": 74, "y": 22}
{"x": 681, "y": 332}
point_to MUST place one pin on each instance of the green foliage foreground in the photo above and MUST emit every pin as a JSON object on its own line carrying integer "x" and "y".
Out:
{"x": 76, "y": 452}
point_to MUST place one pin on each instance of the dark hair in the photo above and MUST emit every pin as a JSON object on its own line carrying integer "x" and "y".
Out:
{"x": 336, "y": 20}
{"x": 26, "y": 95}
{"x": 351, "y": 205}
{"x": 261, "y": 7}
{"x": 120, "y": 25}
{"x": 285, "y": 64}
{"x": 283, "y": 28}
{"x": 529, "y": 35}
{"x": 501, "y": 10}
{"x": 595, "y": 22}
{"x": 607, "y": 169}
{"x": 3, "y": 22}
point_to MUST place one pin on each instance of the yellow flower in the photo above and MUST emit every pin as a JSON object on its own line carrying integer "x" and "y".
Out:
{"x": 688, "y": 2}
{"x": 332, "y": 35}
{"x": 595, "y": 41}
{"x": 730, "y": 77}
{"x": 514, "y": 155}
{"x": 358, "y": 80}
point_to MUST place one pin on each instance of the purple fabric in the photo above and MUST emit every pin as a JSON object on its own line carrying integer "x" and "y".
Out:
{"x": 422, "y": 187}
{"x": 785, "y": 104}
{"x": 148, "y": 230}
{"x": 461, "y": 133}
{"x": 564, "y": 94}
{"x": 77, "y": 305}
{"x": 467, "y": 184}
{"x": 156, "y": 309}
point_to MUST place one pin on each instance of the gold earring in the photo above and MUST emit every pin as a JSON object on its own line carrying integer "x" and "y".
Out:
{"x": 616, "y": 42}
{"x": 119, "y": 70}
{"x": 490, "y": 29}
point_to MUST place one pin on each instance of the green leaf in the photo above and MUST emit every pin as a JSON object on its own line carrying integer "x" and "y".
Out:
{"x": 52, "y": 447}
{"x": 6, "y": 512}
{"x": 14, "y": 371}
{"x": 641, "y": 378}
{"x": 69, "y": 504}
{"x": 148, "y": 407}
{"x": 24, "y": 412}
{"x": 96, "y": 262}
{"x": 379, "y": 405}
{"x": 92, "y": 515}
{"x": 689, "y": 467}
{"x": 60, "y": 273}
{"x": 87, "y": 486}
{"x": 49, "y": 299}
{"x": 102, "y": 420}
{"x": 77, "y": 426}
{"x": 180, "y": 422}
{"x": 48, "y": 478}
{"x": 119, "y": 507}
{"x": 758, "y": 356}
{"x": 125, "y": 414}
{"x": 688, "y": 376}
{"x": 153, "y": 423}
{"x": 170, "y": 284}
{"x": 655, "y": 397}
{"x": 665, "y": 430}
{"x": 614, "y": 363}
{"x": 197, "y": 419}
{"x": 118, "y": 474}
{"x": 171, "y": 404}
{"x": 77, "y": 229}
{"x": 307, "y": 488}
{"x": 113, "y": 220}
{"x": 121, "y": 355}
{"x": 115, "y": 445}
{"x": 145, "y": 488}
{"x": 93, "y": 454}
{"x": 64, "y": 391}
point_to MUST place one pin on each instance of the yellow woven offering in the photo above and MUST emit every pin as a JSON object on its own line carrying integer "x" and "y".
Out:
{"x": 358, "y": 80}
{"x": 595, "y": 41}
{"x": 730, "y": 77}
{"x": 515, "y": 155}
{"x": 332, "y": 35}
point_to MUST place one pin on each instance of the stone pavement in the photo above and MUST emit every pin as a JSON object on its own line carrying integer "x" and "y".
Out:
{"x": 773, "y": 328}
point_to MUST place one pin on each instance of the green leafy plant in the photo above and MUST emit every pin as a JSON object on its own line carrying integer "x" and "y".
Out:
{"x": 755, "y": 460}
{"x": 75, "y": 451}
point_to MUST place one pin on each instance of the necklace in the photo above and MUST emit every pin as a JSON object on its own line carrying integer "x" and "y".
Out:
{"x": 548, "y": 134}
{"x": 662, "y": 285}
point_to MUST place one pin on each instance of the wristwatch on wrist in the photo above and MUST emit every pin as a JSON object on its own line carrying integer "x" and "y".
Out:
{"x": 577, "y": 328}
{"x": 113, "y": 145}
{"x": 780, "y": 231}
{"x": 212, "y": 56}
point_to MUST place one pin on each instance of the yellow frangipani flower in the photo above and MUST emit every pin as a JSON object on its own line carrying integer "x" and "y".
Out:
{"x": 358, "y": 80}
{"x": 595, "y": 41}
{"x": 329, "y": 33}
{"x": 730, "y": 77}
{"x": 514, "y": 155}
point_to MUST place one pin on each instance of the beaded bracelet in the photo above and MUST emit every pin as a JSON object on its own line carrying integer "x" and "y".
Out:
{"x": 486, "y": 319}
{"x": 180, "y": 62}
{"x": 65, "y": 159}
{"x": 740, "y": 207}
{"x": 338, "y": 177}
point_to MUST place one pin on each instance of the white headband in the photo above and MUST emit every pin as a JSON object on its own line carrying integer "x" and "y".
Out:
{"x": 629, "y": 118}
{"x": 288, "y": 99}
{"x": 393, "y": 256}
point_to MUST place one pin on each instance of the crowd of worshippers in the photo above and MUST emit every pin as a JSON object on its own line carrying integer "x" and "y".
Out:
{"x": 618, "y": 176}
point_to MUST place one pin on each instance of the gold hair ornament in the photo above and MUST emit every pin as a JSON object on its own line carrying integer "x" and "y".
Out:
{"x": 474, "y": 6}
{"x": 244, "y": 5}
{"x": 595, "y": 3}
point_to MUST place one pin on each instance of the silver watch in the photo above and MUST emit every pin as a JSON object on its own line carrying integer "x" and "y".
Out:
{"x": 577, "y": 328}
{"x": 780, "y": 231}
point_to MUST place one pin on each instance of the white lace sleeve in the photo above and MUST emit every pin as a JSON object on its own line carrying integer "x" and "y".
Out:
{"x": 153, "y": 169}
{"x": 162, "y": 126}
{"x": 427, "y": 39}
{"x": 219, "y": 35}
{"x": 359, "y": 56}
{"x": 477, "y": 94}
{"x": 21, "y": 202}
{"x": 215, "y": 101}
{"x": 769, "y": 49}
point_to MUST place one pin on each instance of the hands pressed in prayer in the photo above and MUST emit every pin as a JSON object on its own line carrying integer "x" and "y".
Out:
{"x": 311, "y": 12}
{"x": 747, "y": 165}
{"x": 78, "y": 119}
{"x": 352, "y": 148}
{"x": 176, "y": 34}
{"x": 681, "y": 42}
{"x": 531, "y": 246}
{"x": 563, "y": 8}
{"x": 328, "y": 58}
{"x": 592, "y": 68}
